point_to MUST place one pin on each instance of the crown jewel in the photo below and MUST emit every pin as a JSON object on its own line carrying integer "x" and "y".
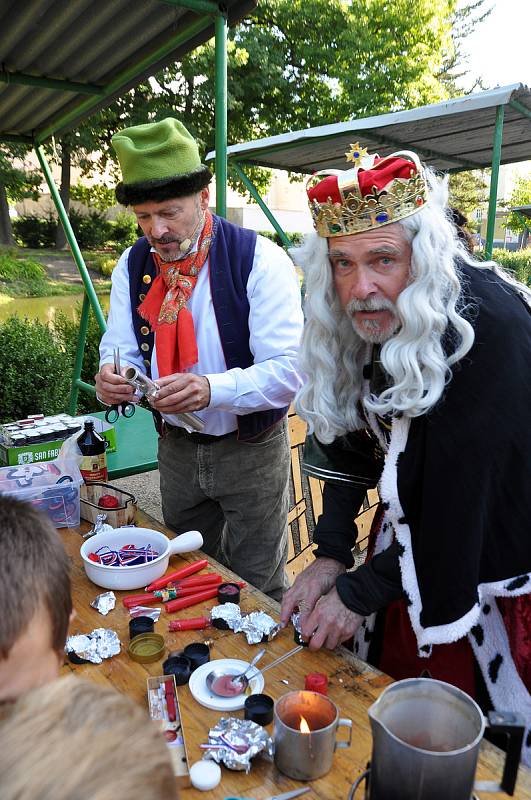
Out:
{"x": 376, "y": 192}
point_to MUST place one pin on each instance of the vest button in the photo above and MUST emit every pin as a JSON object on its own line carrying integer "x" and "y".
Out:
{"x": 141, "y": 297}
{"x": 144, "y": 330}
{"x": 147, "y": 278}
{"x": 147, "y": 362}
{"x": 144, "y": 347}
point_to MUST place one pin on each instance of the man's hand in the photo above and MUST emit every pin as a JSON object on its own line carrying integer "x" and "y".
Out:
{"x": 330, "y": 622}
{"x": 314, "y": 582}
{"x": 181, "y": 392}
{"x": 111, "y": 388}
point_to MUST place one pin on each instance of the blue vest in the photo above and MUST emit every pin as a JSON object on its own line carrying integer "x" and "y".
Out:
{"x": 230, "y": 261}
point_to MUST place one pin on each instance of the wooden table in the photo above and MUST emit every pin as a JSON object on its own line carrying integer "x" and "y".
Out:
{"x": 353, "y": 686}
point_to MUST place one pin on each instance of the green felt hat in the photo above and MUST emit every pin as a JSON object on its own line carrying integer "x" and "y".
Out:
{"x": 158, "y": 156}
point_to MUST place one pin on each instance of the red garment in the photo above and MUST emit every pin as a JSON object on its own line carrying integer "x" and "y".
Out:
{"x": 383, "y": 171}
{"x": 165, "y": 306}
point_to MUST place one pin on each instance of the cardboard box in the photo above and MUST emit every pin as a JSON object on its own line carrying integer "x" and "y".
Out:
{"x": 172, "y": 730}
{"x": 48, "y": 451}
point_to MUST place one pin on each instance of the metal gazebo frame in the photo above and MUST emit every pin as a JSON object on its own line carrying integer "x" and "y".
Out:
{"x": 477, "y": 131}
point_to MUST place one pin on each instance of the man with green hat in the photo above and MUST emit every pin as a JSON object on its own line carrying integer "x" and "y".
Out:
{"x": 212, "y": 313}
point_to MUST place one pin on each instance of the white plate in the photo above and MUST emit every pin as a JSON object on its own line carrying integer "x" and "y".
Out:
{"x": 205, "y": 697}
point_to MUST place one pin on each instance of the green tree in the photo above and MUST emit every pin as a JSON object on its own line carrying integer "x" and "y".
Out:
{"x": 298, "y": 63}
{"x": 520, "y": 196}
{"x": 467, "y": 191}
{"x": 17, "y": 182}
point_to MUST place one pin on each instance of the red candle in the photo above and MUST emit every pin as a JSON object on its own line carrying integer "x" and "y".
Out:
{"x": 316, "y": 682}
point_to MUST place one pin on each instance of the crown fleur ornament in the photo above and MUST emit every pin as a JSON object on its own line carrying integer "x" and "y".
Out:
{"x": 356, "y": 154}
{"x": 376, "y": 192}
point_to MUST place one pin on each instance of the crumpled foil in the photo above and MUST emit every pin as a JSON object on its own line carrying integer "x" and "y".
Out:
{"x": 236, "y": 741}
{"x": 145, "y": 611}
{"x": 95, "y": 646}
{"x": 104, "y": 602}
{"x": 258, "y": 627}
{"x": 229, "y": 613}
{"x": 100, "y": 526}
{"x": 296, "y": 622}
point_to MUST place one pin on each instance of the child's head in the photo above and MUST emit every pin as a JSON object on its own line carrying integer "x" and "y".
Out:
{"x": 35, "y": 598}
{"x": 73, "y": 739}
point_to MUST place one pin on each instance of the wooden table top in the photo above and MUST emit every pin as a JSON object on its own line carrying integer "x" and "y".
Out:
{"x": 353, "y": 685}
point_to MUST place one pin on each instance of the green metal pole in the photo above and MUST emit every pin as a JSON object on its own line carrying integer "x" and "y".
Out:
{"x": 495, "y": 171}
{"x": 50, "y": 83}
{"x": 253, "y": 191}
{"x": 83, "y": 327}
{"x": 199, "y": 6}
{"x": 221, "y": 115}
{"x": 74, "y": 247}
{"x": 521, "y": 108}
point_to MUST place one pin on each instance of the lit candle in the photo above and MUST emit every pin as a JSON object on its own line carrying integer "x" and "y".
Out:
{"x": 305, "y": 734}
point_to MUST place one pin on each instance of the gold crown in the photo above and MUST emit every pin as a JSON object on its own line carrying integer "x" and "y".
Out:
{"x": 402, "y": 195}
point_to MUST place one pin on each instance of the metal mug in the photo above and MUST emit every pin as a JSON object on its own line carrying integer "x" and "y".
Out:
{"x": 426, "y": 739}
{"x": 307, "y": 756}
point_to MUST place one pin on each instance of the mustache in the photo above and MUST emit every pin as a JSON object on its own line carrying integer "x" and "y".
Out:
{"x": 371, "y": 304}
{"x": 163, "y": 240}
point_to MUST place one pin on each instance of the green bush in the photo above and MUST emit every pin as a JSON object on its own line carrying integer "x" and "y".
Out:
{"x": 33, "y": 231}
{"x": 16, "y": 269}
{"x": 296, "y": 238}
{"x": 124, "y": 231}
{"x": 91, "y": 230}
{"x": 34, "y": 369}
{"x": 67, "y": 331}
{"x": 37, "y": 362}
{"x": 516, "y": 261}
{"x": 103, "y": 263}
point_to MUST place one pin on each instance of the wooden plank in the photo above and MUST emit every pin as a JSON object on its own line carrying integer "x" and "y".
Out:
{"x": 353, "y": 685}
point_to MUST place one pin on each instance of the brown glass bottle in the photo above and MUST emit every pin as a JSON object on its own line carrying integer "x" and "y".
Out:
{"x": 93, "y": 465}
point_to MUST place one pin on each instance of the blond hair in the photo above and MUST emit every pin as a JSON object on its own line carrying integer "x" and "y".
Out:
{"x": 73, "y": 740}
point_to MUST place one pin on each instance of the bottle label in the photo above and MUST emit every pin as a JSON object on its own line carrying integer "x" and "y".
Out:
{"x": 94, "y": 468}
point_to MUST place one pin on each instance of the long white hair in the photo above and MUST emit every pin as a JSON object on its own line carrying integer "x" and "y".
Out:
{"x": 332, "y": 354}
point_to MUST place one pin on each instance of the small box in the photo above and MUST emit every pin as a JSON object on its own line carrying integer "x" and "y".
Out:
{"x": 48, "y": 444}
{"x": 124, "y": 514}
{"x": 53, "y": 487}
{"x": 172, "y": 730}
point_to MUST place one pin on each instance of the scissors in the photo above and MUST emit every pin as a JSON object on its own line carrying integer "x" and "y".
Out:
{"x": 284, "y": 796}
{"x": 126, "y": 409}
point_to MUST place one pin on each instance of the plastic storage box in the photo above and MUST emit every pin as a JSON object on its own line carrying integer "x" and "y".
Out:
{"x": 53, "y": 487}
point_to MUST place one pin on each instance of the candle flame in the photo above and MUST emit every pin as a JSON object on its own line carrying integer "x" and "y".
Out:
{"x": 304, "y": 727}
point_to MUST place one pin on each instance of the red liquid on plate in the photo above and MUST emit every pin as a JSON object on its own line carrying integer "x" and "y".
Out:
{"x": 225, "y": 686}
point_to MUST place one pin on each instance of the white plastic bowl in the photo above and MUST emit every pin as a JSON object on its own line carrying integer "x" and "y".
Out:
{"x": 135, "y": 577}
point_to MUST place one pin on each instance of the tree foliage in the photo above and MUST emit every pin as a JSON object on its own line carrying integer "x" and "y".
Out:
{"x": 467, "y": 191}
{"x": 295, "y": 64}
{"x": 520, "y": 196}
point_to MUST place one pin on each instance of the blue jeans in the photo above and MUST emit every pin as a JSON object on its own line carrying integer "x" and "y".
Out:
{"x": 236, "y": 494}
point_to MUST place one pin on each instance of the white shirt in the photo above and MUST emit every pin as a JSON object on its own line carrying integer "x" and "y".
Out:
{"x": 275, "y": 326}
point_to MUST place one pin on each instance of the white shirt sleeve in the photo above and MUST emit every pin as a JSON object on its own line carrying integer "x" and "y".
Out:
{"x": 275, "y": 325}
{"x": 120, "y": 332}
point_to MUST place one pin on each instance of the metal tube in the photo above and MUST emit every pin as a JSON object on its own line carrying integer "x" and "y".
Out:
{"x": 82, "y": 336}
{"x": 286, "y": 241}
{"x": 521, "y": 108}
{"x": 125, "y": 77}
{"x": 76, "y": 252}
{"x": 199, "y": 6}
{"x": 50, "y": 83}
{"x": 495, "y": 171}
{"x": 221, "y": 27}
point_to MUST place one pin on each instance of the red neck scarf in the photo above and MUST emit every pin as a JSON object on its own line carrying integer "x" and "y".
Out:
{"x": 165, "y": 306}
